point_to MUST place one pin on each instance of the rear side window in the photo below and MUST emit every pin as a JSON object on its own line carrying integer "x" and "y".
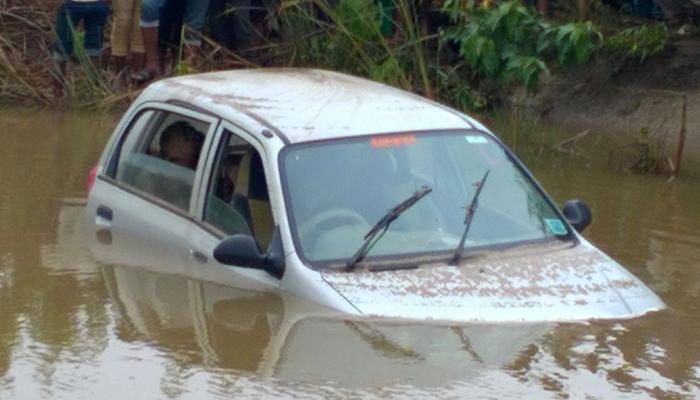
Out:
{"x": 158, "y": 156}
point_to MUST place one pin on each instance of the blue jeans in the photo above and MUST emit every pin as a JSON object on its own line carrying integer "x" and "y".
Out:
{"x": 68, "y": 16}
{"x": 195, "y": 14}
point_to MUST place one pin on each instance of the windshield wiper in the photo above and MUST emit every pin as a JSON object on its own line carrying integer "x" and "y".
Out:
{"x": 383, "y": 225}
{"x": 468, "y": 219}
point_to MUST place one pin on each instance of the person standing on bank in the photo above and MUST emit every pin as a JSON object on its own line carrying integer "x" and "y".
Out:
{"x": 126, "y": 38}
{"x": 195, "y": 14}
{"x": 93, "y": 14}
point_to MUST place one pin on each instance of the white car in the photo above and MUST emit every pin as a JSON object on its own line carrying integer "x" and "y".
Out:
{"x": 352, "y": 194}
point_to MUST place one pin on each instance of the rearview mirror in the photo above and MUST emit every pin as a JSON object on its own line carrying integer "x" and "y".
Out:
{"x": 578, "y": 214}
{"x": 242, "y": 251}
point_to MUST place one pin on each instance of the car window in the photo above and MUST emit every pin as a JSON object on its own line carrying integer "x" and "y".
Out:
{"x": 237, "y": 199}
{"x": 336, "y": 190}
{"x": 159, "y": 155}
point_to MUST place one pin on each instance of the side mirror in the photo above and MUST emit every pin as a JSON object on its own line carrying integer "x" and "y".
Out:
{"x": 242, "y": 251}
{"x": 578, "y": 214}
{"x": 239, "y": 250}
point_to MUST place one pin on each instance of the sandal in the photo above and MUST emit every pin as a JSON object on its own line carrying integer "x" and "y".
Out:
{"x": 144, "y": 76}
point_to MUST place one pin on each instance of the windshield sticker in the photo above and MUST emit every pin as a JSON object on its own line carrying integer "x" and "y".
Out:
{"x": 555, "y": 226}
{"x": 392, "y": 140}
{"x": 475, "y": 139}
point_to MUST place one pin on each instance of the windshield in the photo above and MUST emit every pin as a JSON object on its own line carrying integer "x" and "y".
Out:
{"x": 337, "y": 190}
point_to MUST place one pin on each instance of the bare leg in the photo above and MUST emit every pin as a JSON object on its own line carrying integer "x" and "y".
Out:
{"x": 153, "y": 64}
{"x": 138, "y": 61}
{"x": 150, "y": 43}
{"x": 119, "y": 64}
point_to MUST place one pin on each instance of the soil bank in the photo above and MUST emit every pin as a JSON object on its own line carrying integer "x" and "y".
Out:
{"x": 639, "y": 102}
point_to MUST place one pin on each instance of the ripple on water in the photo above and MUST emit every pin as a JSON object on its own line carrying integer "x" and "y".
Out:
{"x": 7, "y": 270}
{"x": 67, "y": 253}
{"x": 673, "y": 262}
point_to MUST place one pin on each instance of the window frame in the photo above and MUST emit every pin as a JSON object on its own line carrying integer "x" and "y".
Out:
{"x": 214, "y": 154}
{"x": 112, "y": 161}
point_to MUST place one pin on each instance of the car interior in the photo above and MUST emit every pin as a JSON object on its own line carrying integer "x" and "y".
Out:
{"x": 162, "y": 179}
{"x": 234, "y": 205}
{"x": 247, "y": 210}
{"x": 142, "y": 163}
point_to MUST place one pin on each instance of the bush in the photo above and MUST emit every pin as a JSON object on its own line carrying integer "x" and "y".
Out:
{"x": 510, "y": 43}
{"x": 638, "y": 42}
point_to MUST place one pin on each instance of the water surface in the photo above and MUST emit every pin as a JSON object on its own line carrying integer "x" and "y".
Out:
{"x": 74, "y": 329}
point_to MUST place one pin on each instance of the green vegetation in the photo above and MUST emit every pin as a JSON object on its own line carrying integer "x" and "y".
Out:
{"x": 638, "y": 42}
{"x": 474, "y": 60}
{"x": 498, "y": 48}
{"x": 89, "y": 84}
{"x": 509, "y": 43}
{"x": 347, "y": 37}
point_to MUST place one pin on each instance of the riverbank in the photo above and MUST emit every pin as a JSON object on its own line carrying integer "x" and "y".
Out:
{"x": 637, "y": 105}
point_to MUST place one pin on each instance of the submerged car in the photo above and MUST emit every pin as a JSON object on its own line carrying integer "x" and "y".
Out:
{"x": 352, "y": 194}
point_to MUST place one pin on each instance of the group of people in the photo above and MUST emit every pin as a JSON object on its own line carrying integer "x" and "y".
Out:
{"x": 135, "y": 29}
{"x": 139, "y": 26}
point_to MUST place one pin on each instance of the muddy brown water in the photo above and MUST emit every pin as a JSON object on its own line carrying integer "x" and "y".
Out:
{"x": 71, "y": 328}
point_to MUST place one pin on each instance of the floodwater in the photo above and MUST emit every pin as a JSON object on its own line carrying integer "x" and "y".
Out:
{"x": 73, "y": 329}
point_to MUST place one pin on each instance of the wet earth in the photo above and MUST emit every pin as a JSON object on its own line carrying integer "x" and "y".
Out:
{"x": 72, "y": 328}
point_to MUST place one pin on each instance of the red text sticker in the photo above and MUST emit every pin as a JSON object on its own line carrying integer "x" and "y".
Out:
{"x": 393, "y": 140}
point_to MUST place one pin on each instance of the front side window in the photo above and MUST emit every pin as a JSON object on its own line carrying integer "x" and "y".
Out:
{"x": 337, "y": 190}
{"x": 159, "y": 156}
{"x": 238, "y": 201}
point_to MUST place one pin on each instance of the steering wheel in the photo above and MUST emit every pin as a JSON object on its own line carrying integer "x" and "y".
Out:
{"x": 339, "y": 216}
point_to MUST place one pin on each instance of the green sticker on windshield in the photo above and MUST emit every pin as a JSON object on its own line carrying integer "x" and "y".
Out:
{"x": 555, "y": 226}
{"x": 476, "y": 139}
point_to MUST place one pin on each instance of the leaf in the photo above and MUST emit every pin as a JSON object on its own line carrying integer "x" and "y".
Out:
{"x": 490, "y": 58}
{"x": 472, "y": 48}
{"x": 564, "y": 30}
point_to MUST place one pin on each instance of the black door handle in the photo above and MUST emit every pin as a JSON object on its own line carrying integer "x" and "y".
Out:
{"x": 105, "y": 212}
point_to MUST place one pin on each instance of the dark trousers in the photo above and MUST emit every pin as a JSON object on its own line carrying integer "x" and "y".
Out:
{"x": 69, "y": 16}
{"x": 231, "y": 23}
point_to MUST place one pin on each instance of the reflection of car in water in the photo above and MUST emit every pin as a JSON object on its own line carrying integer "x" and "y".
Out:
{"x": 67, "y": 253}
{"x": 350, "y": 194}
{"x": 281, "y": 337}
{"x": 229, "y": 328}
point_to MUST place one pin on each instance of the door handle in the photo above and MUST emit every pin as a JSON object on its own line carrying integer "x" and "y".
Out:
{"x": 197, "y": 256}
{"x": 105, "y": 212}
{"x": 103, "y": 219}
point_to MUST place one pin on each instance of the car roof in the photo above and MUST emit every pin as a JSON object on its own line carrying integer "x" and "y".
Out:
{"x": 304, "y": 105}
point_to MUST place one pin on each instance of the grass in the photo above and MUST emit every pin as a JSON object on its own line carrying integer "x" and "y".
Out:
{"x": 25, "y": 29}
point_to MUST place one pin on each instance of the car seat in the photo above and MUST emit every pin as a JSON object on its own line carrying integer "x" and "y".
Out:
{"x": 253, "y": 197}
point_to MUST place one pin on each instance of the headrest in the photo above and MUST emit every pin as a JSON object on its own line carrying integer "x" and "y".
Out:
{"x": 242, "y": 181}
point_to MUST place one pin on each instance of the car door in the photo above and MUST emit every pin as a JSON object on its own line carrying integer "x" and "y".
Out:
{"x": 234, "y": 199}
{"x": 143, "y": 200}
